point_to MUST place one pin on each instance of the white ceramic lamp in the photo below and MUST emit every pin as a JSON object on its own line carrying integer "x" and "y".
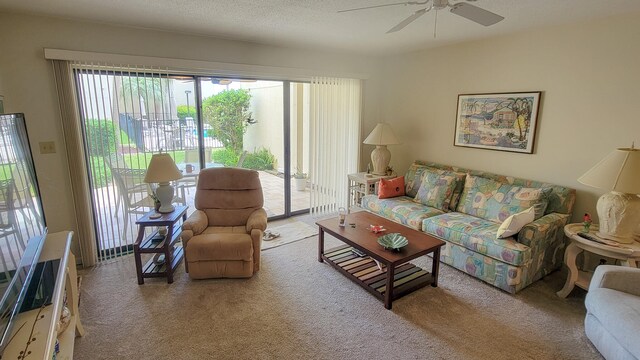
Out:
{"x": 619, "y": 209}
{"x": 381, "y": 136}
{"x": 162, "y": 169}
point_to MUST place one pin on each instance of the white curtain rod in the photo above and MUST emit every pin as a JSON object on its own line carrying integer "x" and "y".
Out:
{"x": 198, "y": 67}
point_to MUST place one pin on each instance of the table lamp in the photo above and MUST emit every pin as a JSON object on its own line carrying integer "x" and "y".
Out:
{"x": 381, "y": 136}
{"x": 162, "y": 169}
{"x": 619, "y": 209}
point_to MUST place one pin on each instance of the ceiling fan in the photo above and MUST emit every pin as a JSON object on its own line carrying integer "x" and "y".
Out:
{"x": 227, "y": 81}
{"x": 468, "y": 11}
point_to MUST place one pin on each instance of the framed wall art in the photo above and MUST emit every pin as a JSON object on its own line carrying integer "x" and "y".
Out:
{"x": 501, "y": 121}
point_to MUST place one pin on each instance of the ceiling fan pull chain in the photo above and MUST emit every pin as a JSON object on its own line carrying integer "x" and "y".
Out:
{"x": 435, "y": 25}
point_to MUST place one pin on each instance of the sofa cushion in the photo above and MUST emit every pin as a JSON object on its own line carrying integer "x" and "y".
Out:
{"x": 436, "y": 190}
{"x": 478, "y": 235}
{"x": 495, "y": 201}
{"x": 391, "y": 187}
{"x": 619, "y": 313}
{"x": 400, "y": 209}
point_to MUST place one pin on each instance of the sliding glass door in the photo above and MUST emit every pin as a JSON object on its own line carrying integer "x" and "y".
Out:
{"x": 201, "y": 122}
{"x": 262, "y": 125}
{"x": 299, "y": 146}
{"x": 246, "y": 116}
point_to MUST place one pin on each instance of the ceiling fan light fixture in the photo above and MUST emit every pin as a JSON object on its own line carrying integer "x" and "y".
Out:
{"x": 440, "y": 4}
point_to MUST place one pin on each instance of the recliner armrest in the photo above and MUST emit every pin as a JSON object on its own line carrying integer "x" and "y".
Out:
{"x": 194, "y": 225}
{"x": 619, "y": 278}
{"x": 257, "y": 220}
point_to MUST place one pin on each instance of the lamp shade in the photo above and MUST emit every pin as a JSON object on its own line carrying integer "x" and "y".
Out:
{"x": 162, "y": 169}
{"x": 381, "y": 135}
{"x": 619, "y": 171}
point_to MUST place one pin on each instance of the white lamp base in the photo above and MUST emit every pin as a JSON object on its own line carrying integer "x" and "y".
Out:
{"x": 380, "y": 157}
{"x": 164, "y": 192}
{"x": 619, "y": 215}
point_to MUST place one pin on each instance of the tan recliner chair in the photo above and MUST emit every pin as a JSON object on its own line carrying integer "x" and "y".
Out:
{"x": 222, "y": 238}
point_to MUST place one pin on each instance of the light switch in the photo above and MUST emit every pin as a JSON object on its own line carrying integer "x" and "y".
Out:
{"x": 47, "y": 147}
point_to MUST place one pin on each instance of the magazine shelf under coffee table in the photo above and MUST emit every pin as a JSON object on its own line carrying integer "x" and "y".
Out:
{"x": 365, "y": 272}
{"x": 394, "y": 272}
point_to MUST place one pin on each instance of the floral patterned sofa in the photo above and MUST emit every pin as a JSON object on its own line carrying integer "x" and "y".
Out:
{"x": 469, "y": 224}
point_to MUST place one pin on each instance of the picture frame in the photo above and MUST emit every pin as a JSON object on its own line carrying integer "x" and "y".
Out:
{"x": 498, "y": 121}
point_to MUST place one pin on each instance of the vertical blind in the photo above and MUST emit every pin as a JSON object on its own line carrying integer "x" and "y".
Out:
{"x": 335, "y": 140}
{"x": 126, "y": 114}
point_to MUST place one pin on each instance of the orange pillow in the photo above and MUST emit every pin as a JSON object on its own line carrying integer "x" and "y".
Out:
{"x": 391, "y": 187}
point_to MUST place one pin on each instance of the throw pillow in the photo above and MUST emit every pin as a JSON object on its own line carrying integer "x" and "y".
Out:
{"x": 436, "y": 189}
{"x": 475, "y": 193}
{"x": 391, "y": 187}
{"x": 495, "y": 201}
{"x": 515, "y": 222}
{"x": 413, "y": 178}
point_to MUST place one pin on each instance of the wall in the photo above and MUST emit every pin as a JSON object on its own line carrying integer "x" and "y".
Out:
{"x": 266, "y": 109}
{"x": 589, "y": 77}
{"x": 28, "y": 85}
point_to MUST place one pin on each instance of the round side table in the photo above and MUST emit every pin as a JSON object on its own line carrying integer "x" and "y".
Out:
{"x": 628, "y": 254}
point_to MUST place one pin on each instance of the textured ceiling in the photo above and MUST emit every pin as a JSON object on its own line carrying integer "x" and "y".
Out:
{"x": 313, "y": 23}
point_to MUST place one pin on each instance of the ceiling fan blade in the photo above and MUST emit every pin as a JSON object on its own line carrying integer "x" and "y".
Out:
{"x": 384, "y": 5}
{"x": 409, "y": 20}
{"x": 476, "y": 14}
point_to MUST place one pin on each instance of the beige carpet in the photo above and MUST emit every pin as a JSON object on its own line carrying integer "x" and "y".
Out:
{"x": 298, "y": 308}
{"x": 290, "y": 231}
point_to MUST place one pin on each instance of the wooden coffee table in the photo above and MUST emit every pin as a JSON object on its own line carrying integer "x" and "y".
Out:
{"x": 397, "y": 277}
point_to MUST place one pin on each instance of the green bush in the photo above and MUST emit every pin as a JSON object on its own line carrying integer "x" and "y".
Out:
{"x": 185, "y": 112}
{"x": 228, "y": 113}
{"x": 100, "y": 172}
{"x": 227, "y": 157}
{"x": 101, "y": 137}
{"x": 262, "y": 159}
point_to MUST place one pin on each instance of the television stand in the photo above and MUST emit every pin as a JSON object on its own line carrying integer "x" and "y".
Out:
{"x": 41, "y": 324}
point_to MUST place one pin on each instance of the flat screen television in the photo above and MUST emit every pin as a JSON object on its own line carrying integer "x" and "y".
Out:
{"x": 22, "y": 223}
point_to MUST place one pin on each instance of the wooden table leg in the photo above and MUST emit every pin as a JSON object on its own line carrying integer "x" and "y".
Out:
{"x": 435, "y": 268}
{"x": 136, "y": 255}
{"x": 570, "y": 256}
{"x": 168, "y": 254}
{"x": 388, "y": 294}
{"x": 320, "y": 243}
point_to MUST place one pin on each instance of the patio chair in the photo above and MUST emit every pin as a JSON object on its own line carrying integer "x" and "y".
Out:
{"x": 133, "y": 192}
{"x": 9, "y": 224}
{"x": 192, "y": 156}
{"x": 22, "y": 194}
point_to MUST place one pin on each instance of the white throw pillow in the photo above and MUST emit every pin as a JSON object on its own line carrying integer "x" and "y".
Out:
{"x": 515, "y": 222}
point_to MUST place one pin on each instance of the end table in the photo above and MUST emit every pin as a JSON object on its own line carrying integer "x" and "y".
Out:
{"x": 628, "y": 254}
{"x": 155, "y": 243}
{"x": 361, "y": 184}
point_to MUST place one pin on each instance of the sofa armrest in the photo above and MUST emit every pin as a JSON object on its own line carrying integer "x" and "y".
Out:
{"x": 619, "y": 278}
{"x": 257, "y": 220}
{"x": 194, "y": 225}
{"x": 543, "y": 230}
